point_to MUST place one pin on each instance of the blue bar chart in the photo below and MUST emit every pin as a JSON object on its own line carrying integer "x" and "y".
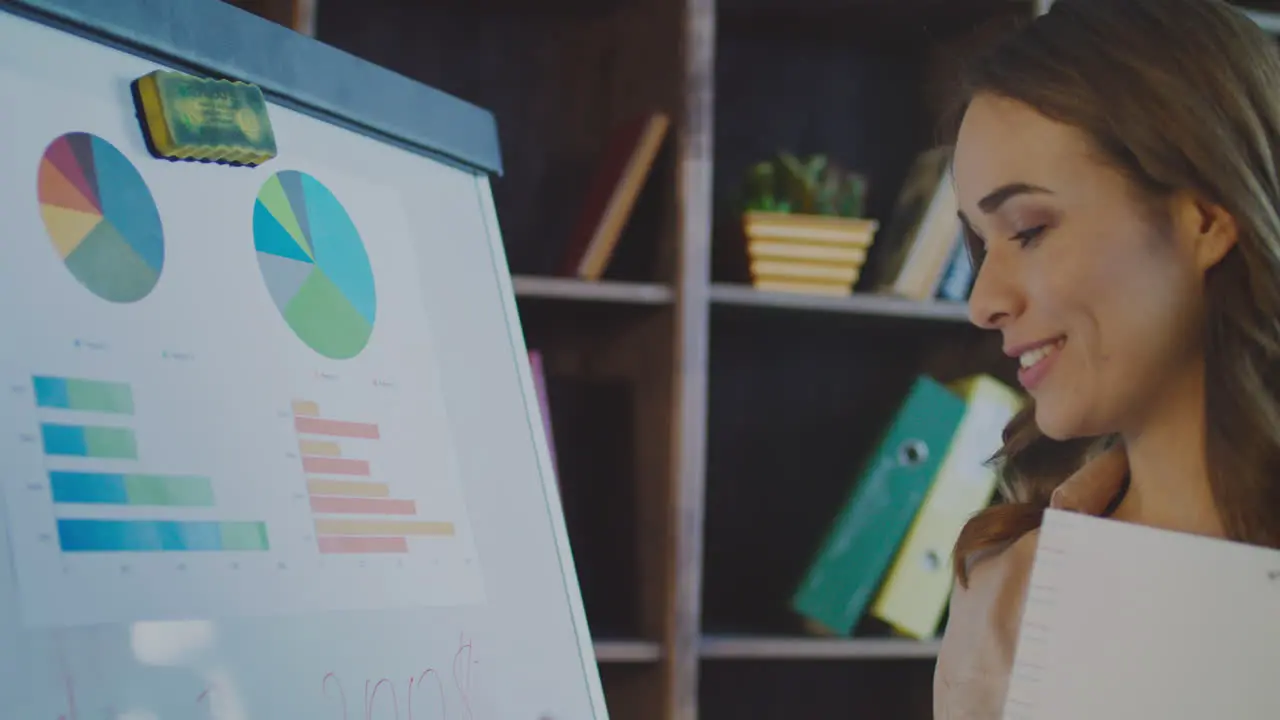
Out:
{"x": 83, "y": 394}
{"x": 74, "y": 427}
{"x": 101, "y": 488}
{"x": 160, "y": 536}
{"x": 88, "y": 441}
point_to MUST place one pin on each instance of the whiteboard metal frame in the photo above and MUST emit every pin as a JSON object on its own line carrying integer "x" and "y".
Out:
{"x": 1268, "y": 21}
{"x": 546, "y": 469}
{"x": 212, "y": 38}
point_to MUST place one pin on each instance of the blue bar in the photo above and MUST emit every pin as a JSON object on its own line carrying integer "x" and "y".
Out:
{"x": 52, "y": 392}
{"x": 87, "y": 487}
{"x": 64, "y": 440}
{"x": 139, "y": 536}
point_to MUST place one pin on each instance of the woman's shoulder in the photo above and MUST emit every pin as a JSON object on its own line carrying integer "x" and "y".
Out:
{"x": 989, "y": 566}
{"x": 977, "y": 650}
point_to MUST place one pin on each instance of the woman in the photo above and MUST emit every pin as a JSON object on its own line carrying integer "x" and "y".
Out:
{"x": 1117, "y": 167}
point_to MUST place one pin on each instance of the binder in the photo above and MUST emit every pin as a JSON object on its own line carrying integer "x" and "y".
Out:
{"x": 862, "y": 540}
{"x": 914, "y": 595}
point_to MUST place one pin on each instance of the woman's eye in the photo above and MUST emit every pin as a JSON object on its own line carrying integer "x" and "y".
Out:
{"x": 1025, "y": 237}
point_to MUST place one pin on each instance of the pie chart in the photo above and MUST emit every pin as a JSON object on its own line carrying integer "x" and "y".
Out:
{"x": 314, "y": 264}
{"x": 101, "y": 217}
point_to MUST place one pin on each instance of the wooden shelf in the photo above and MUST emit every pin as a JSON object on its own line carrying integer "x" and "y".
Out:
{"x": 627, "y": 651}
{"x": 604, "y": 291}
{"x": 902, "y": 16}
{"x": 857, "y": 304}
{"x": 800, "y": 648}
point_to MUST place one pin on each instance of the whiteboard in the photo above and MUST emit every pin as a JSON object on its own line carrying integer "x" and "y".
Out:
{"x": 269, "y": 447}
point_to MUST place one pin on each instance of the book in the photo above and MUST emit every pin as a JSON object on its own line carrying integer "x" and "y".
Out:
{"x": 957, "y": 280}
{"x": 612, "y": 193}
{"x": 544, "y": 404}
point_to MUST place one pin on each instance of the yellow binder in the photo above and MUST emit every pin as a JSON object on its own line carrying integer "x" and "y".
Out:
{"x": 915, "y": 591}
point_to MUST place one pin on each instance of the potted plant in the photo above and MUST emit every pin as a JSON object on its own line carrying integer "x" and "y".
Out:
{"x": 804, "y": 224}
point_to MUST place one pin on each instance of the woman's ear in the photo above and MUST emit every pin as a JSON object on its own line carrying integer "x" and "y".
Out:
{"x": 1207, "y": 229}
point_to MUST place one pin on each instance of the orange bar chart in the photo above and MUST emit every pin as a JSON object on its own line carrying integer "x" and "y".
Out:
{"x": 323, "y": 448}
{"x": 348, "y": 488}
{"x": 399, "y": 528}
{"x": 348, "y": 545}
{"x": 335, "y": 428}
{"x": 334, "y": 466}
{"x": 354, "y": 512}
{"x": 362, "y": 506}
{"x": 305, "y": 408}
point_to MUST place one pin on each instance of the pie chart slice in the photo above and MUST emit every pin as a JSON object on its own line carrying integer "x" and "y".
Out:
{"x": 314, "y": 264}
{"x": 101, "y": 217}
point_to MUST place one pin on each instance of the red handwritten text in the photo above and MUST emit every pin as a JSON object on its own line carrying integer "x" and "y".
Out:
{"x": 332, "y": 688}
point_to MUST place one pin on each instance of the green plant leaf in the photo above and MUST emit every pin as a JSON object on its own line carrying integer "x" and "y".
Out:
{"x": 814, "y": 184}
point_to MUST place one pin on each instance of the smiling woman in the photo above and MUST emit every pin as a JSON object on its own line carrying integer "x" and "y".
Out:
{"x": 1120, "y": 203}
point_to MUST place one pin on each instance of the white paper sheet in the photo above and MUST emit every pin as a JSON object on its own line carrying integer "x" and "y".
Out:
{"x": 215, "y": 373}
{"x": 1125, "y": 621}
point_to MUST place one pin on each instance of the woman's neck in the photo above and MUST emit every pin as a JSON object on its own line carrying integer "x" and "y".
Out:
{"x": 1168, "y": 468}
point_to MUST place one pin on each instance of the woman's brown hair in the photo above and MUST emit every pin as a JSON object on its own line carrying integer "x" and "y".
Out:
{"x": 1181, "y": 95}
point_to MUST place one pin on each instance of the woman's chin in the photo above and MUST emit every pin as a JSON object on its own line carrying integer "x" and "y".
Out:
{"x": 1059, "y": 423}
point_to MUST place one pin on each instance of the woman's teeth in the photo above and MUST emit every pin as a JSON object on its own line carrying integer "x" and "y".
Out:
{"x": 1031, "y": 357}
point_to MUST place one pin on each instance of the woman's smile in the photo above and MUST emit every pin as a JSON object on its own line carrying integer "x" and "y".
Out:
{"x": 1035, "y": 362}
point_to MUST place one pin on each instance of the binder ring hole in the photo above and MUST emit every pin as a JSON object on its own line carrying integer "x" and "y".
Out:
{"x": 912, "y": 452}
{"x": 931, "y": 561}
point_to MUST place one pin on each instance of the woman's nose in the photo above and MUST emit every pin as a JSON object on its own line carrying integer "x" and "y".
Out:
{"x": 996, "y": 297}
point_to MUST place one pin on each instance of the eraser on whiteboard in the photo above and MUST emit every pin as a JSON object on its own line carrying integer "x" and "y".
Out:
{"x": 185, "y": 117}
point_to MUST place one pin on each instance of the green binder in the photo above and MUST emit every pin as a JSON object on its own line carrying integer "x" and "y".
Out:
{"x": 864, "y": 538}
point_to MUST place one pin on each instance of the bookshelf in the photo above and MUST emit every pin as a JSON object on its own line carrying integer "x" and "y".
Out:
{"x": 733, "y": 417}
{"x": 571, "y": 290}
{"x": 865, "y": 305}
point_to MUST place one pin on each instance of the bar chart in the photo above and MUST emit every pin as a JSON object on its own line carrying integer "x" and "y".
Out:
{"x": 80, "y": 394}
{"x": 353, "y": 511}
{"x": 161, "y": 498}
{"x": 77, "y": 487}
{"x": 73, "y": 428}
{"x": 160, "y": 535}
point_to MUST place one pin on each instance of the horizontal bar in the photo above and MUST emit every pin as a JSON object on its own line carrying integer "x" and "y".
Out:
{"x": 131, "y": 489}
{"x": 306, "y": 408}
{"x": 320, "y": 447}
{"x": 362, "y": 506}
{"x": 591, "y": 291}
{"x": 814, "y": 648}
{"x": 89, "y": 441}
{"x": 618, "y": 650}
{"x": 382, "y": 527}
{"x": 347, "y": 488}
{"x": 82, "y": 394}
{"x": 335, "y": 466}
{"x": 858, "y": 304}
{"x": 335, "y": 428}
{"x": 161, "y": 536}
{"x": 339, "y": 545}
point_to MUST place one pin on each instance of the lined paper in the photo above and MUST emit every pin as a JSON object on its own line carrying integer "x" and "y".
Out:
{"x": 1125, "y": 621}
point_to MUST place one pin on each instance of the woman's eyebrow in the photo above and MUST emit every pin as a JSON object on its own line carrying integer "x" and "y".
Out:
{"x": 994, "y": 199}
